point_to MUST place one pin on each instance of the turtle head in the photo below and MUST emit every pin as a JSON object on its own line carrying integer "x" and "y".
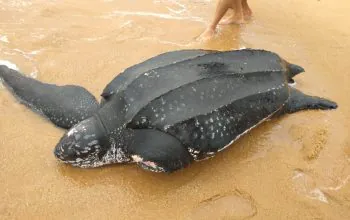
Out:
{"x": 83, "y": 145}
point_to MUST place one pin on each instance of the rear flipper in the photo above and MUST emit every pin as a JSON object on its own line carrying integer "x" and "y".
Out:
{"x": 298, "y": 101}
{"x": 65, "y": 106}
{"x": 157, "y": 151}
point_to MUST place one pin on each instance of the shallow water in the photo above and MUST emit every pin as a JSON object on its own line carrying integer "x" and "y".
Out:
{"x": 293, "y": 167}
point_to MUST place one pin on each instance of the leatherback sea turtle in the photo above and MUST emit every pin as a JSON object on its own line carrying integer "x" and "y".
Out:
{"x": 168, "y": 111}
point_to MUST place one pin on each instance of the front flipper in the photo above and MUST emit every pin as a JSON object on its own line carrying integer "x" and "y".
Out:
{"x": 65, "y": 106}
{"x": 298, "y": 101}
{"x": 157, "y": 151}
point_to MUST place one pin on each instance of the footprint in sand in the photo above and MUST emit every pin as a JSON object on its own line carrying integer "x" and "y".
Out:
{"x": 313, "y": 144}
{"x": 297, "y": 132}
{"x": 312, "y": 140}
{"x": 232, "y": 205}
{"x": 306, "y": 185}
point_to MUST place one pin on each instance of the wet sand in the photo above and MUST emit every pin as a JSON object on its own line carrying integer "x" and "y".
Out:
{"x": 293, "y": 167}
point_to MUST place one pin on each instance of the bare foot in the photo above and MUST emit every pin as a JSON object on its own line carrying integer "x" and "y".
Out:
{"x": 233, "y": 19}
{"x": 227, "y": 20}
{"x": 247, "y": 14}
{"x": 207, "y": 34}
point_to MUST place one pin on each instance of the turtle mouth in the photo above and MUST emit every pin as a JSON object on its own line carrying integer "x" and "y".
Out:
{"x": 91, "y": 160}
{"x": 79, "y": 149}
{"x": 78, "y": 159}
{"x": 88, "y": 157}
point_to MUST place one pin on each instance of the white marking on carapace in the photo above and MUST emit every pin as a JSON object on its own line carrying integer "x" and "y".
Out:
{"x": 246, "y": 131}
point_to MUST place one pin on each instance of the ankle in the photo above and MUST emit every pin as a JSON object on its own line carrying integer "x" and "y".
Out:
{"x": 211, "y": 27}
